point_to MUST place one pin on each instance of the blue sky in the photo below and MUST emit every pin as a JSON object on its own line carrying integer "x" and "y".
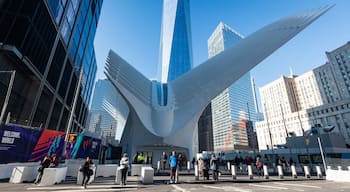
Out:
{"x": 132, "y": 29}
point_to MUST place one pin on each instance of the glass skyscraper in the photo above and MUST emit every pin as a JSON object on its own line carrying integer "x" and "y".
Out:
{"x": 233, "y": 111}
{"x": 176, "y": 40}
{"x": 48, "y": 42}
{"x": 108, "y": 112}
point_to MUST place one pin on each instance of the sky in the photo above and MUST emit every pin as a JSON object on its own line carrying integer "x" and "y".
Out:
{"x": 131, "y": 28}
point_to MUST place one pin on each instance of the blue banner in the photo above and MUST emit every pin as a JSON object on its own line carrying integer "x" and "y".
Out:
{"x": 86, "y": 146}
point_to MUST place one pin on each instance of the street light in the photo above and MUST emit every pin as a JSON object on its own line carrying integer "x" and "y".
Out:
{"x": 9, "y": 89}
{"x": 70, "y": 120}
{"x": 326, "y": 129}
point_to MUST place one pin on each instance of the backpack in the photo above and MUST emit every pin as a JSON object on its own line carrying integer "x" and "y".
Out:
{"x": 260, "y": 164}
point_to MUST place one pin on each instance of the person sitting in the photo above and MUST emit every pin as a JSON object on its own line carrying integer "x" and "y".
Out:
{"x": 54, "y": 160}
{"x": 45, "y": 163}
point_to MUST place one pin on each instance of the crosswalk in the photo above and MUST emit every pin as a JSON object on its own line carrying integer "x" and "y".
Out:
{"x": 286, "y": 186}
{"x": 267, "y": 186}
{"x": 97, "y": 188}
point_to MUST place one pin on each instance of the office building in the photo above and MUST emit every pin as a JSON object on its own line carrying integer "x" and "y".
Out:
{"x": 176, "y": 40}
{"x": 48, "y": 43}
{"x": 108, "y": 111}
{"x": 234, "y": 109}
{"x": 294, "y": 104}
{"x": 205, "y": 131}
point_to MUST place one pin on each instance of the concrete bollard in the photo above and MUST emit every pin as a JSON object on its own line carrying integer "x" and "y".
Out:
{"x": 158, "y": 166}
{"x": 280, "y": 171}
{"x": 196, "y": 172}
{"x": 233, "y": 172}
{"x": 319, "y": 172}
{"x": 250, "y": 172}
{"x": 188, "y": 166}
{"x": 266, "y": 172}
{"x": 307, "y": 172}
{"x": 228, "y": 165}
{"x": 339, "y": 168}
{"x": 294, "y": 171}
{"x": 348, "y": 168}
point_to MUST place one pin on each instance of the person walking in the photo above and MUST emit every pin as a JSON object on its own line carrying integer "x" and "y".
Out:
{"x": 214, "y": 167}
{"x": 164, "y": 160}
{"x": 200, "y": 167}
{"x": 45, "y": 163}
{"x": 87, "y": 172}
{"x": 124, "y": 165}
{"x": 173, "y": 166}
{"x": 259, "y": 165}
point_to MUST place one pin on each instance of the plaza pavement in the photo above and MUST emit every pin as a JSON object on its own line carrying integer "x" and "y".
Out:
{"x": 187, "y": 183}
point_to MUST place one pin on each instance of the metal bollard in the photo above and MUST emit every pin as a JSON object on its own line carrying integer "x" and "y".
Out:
{"x": 158, "y": 166}
{"x": 196, "y": 172}
{"x": 307, "y": 172}
{"x": 228, "y": 165}
{"x": 280, "y": 171}
{"x": 294, "y": 171}
{"x": 250, "y": 172}
{"x": 188, "y": 166}
{"x": 233, "y": 172}
{"x": 266, "y": 172}
{"x": 319, "y": 172}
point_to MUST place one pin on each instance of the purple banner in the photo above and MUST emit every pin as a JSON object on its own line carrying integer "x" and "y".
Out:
{"x": 17, "y": 143}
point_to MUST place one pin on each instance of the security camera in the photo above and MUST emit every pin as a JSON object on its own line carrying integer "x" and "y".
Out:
{"x": 328, "y": 128}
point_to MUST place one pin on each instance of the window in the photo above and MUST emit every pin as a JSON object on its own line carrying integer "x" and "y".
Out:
{"x": 56, "y": 65}
{"x": 43, "y": 107}
{"x": 55, "y": 115}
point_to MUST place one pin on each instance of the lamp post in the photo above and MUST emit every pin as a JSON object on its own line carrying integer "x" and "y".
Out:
{"x": 9, "y": 89}
{"x": 70, "y": 120}
{"x": 317, "y": 126}
{"x": 268, "y": 127}
{"x": 321, "y": 149}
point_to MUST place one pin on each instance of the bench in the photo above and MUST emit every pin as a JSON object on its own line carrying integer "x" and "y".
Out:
{"x": 6, "y": 169}
{"x": 53, "y": 176}
{"x": 24, "y": 174}
{"x": 136, "y": 168}
{"x": 106, "y": 170}
{"x": 147, "y": 175}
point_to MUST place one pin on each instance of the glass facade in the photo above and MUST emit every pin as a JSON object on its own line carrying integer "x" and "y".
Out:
{"x": 56, "y": 39}
{"x": 109, "y": 111}
{"x": 176, "y": 40}
{"x": 233, "y": 111}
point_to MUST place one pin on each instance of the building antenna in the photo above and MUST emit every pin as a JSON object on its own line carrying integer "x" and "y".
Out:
{"x": 291, "y": 71}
